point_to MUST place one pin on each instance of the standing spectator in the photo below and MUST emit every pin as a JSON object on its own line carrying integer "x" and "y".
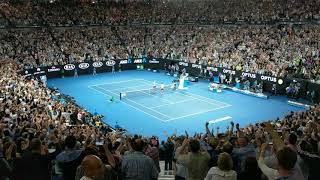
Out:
{"x": 287, "y": 167}
{"x": 180, "y": 169}
{"x": 245, "y": 149}
{"x": 153, "y": 152}
{"x": 196, "y": 161}
{"x": 168, "y": 154}
{"x": 5, "y": 169}
{"x": 136, "y": 165}
{"x": 224, "y": 170}
{"x": 36, "y": 163}
{"x": 251, "y": 170}
{"x": 70, "y": 158}
{"x": 93, "y": 168}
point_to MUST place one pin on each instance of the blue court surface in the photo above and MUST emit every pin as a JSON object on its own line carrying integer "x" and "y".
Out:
{"x": 148, "y": 111}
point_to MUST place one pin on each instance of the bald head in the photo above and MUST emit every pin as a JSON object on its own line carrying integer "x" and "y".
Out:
{"x": 93, "y": 167}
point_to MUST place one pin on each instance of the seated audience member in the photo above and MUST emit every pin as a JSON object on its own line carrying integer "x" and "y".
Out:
{"x": 195, "y": 161}
{"x": 136, "y": 165}
{"x": 224, "y": 170}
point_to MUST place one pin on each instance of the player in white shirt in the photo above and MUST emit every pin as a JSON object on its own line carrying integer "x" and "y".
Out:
{"x": 162, "y": 88}
{"x": 154, "y": 87}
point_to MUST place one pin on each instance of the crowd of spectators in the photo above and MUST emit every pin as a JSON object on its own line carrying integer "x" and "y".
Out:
{"x": 272, "y": 50}
{"x": 106, "y": 12}
{"x": 43, "y": 136}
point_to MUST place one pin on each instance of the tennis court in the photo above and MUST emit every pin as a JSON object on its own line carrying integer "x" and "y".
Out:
{"x": 144, "y": 112}
{"x": 166, "y": 105}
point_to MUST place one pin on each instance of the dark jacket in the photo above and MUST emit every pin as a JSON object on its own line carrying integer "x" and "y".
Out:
{"x": 35, "y": 166}
{"x": 68, "y": 161}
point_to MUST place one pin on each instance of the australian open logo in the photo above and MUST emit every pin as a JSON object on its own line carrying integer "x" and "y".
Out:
{"x": 111, "y": 63}
{"x": 97, "y": 64}
{"x": 84, "y": 65}
{"x": 69, "y": 67}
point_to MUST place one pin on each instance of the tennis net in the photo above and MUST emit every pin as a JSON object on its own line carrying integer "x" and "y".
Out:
{"x": 131, "y": 93}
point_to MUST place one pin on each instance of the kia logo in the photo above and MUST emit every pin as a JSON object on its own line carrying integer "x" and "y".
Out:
{"x": 97, "y": 64}
{"x": 84, "y": 65}
{"x": 69, "y": 67}
{"x": 110, "y": 63}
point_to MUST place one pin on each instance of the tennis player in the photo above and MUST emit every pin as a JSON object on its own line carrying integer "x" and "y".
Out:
{"x": 174, "y": 85}
{"x": 154, "y": 87}
{"x": 112, "y": 99}
{"x": 162, "y": 88}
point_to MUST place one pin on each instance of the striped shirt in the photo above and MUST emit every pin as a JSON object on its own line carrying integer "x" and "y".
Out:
{"x": 137, "y": 166}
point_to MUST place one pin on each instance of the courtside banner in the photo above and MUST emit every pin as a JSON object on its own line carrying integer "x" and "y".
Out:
{"x": 70, "y": 69}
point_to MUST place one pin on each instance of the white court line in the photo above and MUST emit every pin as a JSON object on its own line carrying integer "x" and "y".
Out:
{"x": 178, "y": 102}
{"x": 219, "y": 119}
{"x": 128, "y": 87}
{"x": 116, "y": 82}
{"x": 156, "y": 97}
{"x": 208, "y": 98}
{"x": 185, "y": 94}
{"x": 193, "y": 114}
{"x": 138, "y": 103}
{"x": 138, "y": 109}
{"x": 132, "y": 87}
{"x": 192, "y": 94}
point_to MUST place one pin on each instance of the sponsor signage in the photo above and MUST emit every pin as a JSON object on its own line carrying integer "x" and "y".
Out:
{"x": 212, "y": 69}
{"x": 249, "y": 75}
{"x": 69, "y": 67}
{"x": 196, "y": 66}
{"x": 39, "y": 71}
{"x": 137, "y": 61}
{"x": 228, "y": 71}
{"x": 183, "y": 64}
{"x": 97, "y": 64}
{"x": 112, "y": 62}
{"x": 53, "y": 69}
{"x": 123, "y": 62}
{"x": 83, "y": 65}
{"x": 154, "y": 61}
{"x": 268, "y": 78}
